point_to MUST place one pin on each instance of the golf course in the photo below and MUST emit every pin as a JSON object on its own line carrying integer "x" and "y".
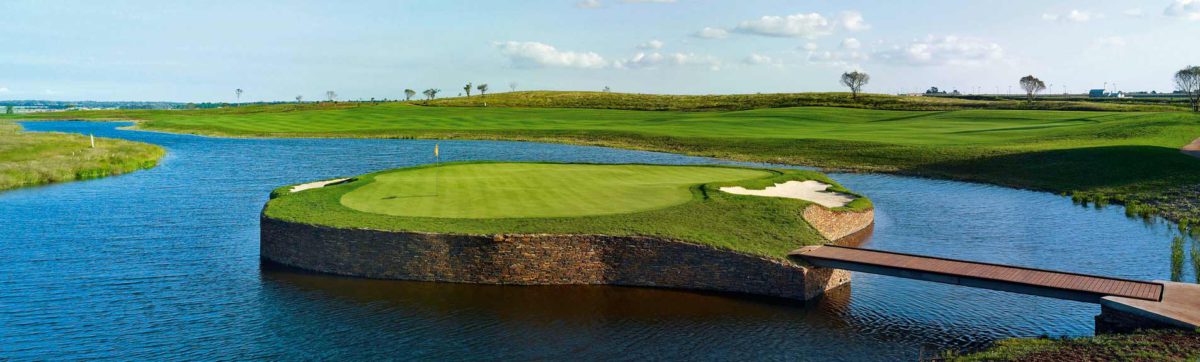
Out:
{"x": 676, "y": 202}
{"x": 1099, "y": 152}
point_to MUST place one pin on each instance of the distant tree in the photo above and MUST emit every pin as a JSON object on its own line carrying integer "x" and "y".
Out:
{"x": 482, "y": 89}
{"x": 512, "y": 86}
{"x": 935, "y": 90}
{"x": 299, "y": 99}
{"x": 330, "y": 95}
{"x": 8, "y": 110}
{"x": 1187, "y": 80}
{"x": 431, "y": 93}
{"x": 408, "y": 94}
{"x": 1032, "y": 86}
{"x": 607, "y": 89}
{"x": 238, "y": 92}
{"x": 468, "y": 89}
{"x": 855, "y": 80}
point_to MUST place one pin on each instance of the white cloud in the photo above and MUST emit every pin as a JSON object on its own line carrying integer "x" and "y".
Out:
{"x": 1187, "y": 9}
{"x": 1074, "y": 16}
{"x": 531, "y": 54}
{"x": 588, "y": 4}
{"x": 759, "y": 59}
{"x": 712, "y": 33}
{"x": 851, "y": 43}
{"x": 943, "y": 50}
{"x": 4, "y": 90}
{"x": 839, "y": 59}
{"x": 853, "y": 21}
{"x": 656, "y": 60}
{"x": 809, "y": 25}
{"x": 1110, "y": 42}
{"x": 809, "y": 46}
{"x": 1135, "y": 12}
{"x": 651, "y": 45}
{"x": 648, "y": 1}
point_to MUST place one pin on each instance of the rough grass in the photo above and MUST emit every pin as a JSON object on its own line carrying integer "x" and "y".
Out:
{"x": 1142, "y": 346}
{"x": 751, "y": 224}
{"x": 1123, "y": 157}
{"x": 28, "y": 159}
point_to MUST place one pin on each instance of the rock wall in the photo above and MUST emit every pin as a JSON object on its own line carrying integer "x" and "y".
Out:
{"x": 539, "y": 259}
{"x": 835, "y": 225}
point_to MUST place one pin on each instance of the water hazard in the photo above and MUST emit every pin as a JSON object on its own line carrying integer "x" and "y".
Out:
{"x": 164, "y": 263}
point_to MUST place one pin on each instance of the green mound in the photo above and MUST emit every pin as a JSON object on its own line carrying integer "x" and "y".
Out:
{"x": 677, "y": 202}
{"x": 512, "y": 190}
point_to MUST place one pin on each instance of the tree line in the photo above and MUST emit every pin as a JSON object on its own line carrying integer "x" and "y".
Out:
{"x": 1187, "y": 81}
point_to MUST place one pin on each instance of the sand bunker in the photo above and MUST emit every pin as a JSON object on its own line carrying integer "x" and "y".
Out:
{"x": 1192, "y": 149}
{"x": 807, "y": 190}
{"x": 316, "y": 185}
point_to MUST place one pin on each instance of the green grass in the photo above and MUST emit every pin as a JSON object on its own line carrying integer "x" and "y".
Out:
{"x": 1126, "y": 157}
{"x": 751, "y": 224}
{"x": 28, "y": 159}
{"x": 513, "y": 190}
{"x": 1141, "y": 346}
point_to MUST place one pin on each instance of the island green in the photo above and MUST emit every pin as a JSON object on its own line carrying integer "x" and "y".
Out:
{"x": 481, "y": 198}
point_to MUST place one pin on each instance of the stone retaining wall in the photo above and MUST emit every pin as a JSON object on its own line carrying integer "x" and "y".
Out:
{"x": 835, "y": 225}
{"x": 539, "y": 259}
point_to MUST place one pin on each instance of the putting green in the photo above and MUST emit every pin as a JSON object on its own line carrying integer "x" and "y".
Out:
{"x": 524, "y": 190}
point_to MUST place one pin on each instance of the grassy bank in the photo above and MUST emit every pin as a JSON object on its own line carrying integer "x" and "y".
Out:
{"x": 28, "y": 158}
{"x": 1143, "y": 346}
{"x": 1120, "y": 157}
{"x": 678, "y": 202}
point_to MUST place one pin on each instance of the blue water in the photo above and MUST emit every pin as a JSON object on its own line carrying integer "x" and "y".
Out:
{"x": 163, "y": 264}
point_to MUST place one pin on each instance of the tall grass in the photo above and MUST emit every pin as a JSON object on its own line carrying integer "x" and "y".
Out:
{"x": 28, "y": 159}
{"x": 1177, "y": 259}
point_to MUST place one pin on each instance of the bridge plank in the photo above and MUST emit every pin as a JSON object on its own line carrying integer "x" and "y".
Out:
{"x": 996, "y": 273}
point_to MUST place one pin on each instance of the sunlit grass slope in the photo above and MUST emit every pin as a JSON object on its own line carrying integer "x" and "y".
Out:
{"x": 28, "y": 159}
{"x": 1124, "y": 156}
{"x": 678, "y": 202}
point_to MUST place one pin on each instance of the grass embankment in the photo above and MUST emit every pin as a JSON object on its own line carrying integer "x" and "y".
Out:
{"x": 1123, "y": 157}
{"x": 28, "y": 158}
{"x": 1142, "y": 346}
{"x": 738, "y": 102}
{"x": 678, "y": 202}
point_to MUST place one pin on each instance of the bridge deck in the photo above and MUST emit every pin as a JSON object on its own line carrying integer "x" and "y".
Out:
{"x": 1081, "y": 287}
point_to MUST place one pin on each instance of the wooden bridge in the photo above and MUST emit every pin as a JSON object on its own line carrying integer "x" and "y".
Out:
{"x": 1175, "y": 304}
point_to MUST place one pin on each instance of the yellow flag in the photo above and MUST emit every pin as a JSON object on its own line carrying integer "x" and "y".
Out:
{"x": 435, "y": 150}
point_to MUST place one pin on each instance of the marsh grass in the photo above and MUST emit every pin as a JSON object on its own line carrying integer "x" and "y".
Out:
{"x": 1177, "y": 259}
{"x": 1152, "y": 345}
{"x": 28, "y": 159}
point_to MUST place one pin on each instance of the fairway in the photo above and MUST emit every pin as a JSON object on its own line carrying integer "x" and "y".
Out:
{"x": 510, "y": 190}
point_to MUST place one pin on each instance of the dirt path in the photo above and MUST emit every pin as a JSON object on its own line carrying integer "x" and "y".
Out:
{"x": 1192, "y": 149}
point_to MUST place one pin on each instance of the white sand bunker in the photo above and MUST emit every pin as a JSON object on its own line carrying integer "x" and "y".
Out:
{"x": 807, "y": 190}
{"x": 316, "y": 185}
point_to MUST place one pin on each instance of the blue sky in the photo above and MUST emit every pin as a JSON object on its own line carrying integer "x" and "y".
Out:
{"x": 203, "y": 50}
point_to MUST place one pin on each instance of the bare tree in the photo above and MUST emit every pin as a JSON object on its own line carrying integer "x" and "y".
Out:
{"x": 468, "y": 89}
{"x": 299, "y": 99}
{"x": 238, "y": 92}
{"x": 482, "y": 89}
{"x": 1188, "y": 82}
{"x": 408, "y": 94}
{"x": 512, "y": 86}
{"x": 330, "y": 95}
{"x": 855, "y": 80}
{"x": 1032, "y": 86}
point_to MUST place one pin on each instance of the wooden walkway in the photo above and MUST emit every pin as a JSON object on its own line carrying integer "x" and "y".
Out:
{"x": 1054, "y": 284}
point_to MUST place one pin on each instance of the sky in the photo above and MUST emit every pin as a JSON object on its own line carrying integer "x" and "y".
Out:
{"x": 197, "y": 51}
